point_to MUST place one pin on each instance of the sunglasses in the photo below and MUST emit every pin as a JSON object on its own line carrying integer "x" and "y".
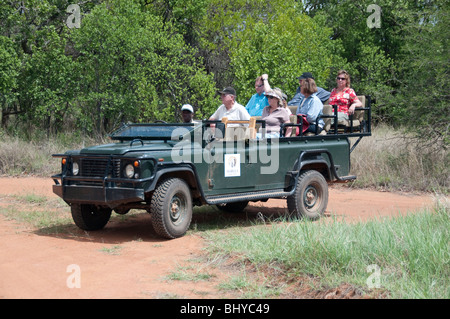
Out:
{"x": 271, "y": 97}
{"x": 342, "y": 79}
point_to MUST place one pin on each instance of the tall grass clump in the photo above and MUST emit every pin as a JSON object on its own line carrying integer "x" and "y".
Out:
{"x": 411, "y": 252}
{"x": 20, "y": 156}
{"x": 394, "y": 161}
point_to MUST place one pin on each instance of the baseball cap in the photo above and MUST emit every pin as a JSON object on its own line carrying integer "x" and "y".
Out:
{"x": 228, "y": 90}
{"x": 187, "y": 107}
{"x": 306, "y": 75}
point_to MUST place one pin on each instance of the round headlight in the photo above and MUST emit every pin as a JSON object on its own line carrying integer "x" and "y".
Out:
{"x": 75, "y": 168}
{"x": 129, "y": 171}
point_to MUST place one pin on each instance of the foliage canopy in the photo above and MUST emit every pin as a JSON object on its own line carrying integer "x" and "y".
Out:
{"x": 141, "y": 60}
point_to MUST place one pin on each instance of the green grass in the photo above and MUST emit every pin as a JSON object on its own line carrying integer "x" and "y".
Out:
{"x": 113, "y": 250}
{"x": 410, "y": 252}
{"x": 39, "y": 212}
{"x": 190, "y": 273}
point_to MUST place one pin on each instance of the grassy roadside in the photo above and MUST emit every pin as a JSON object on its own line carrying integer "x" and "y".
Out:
{"x": 401, "y": 257}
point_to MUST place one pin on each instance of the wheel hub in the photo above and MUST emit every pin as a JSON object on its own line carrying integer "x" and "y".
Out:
{"x": 176, "y": 209}
{"x": 310, "y": 196}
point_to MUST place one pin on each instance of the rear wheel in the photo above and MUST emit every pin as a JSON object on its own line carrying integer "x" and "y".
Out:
{"x": 90, "y": 217}
{"x": 171, "y": 208}
{"x": 310, "y": 198}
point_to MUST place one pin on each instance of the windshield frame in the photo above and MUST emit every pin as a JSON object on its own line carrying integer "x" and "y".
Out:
{"x": 149, "y": 131}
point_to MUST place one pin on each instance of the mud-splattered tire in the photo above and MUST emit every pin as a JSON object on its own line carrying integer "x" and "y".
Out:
{"x": 171, "y": 208}
{"x": 310, "y": 198}
{"x": 90, "y": 217}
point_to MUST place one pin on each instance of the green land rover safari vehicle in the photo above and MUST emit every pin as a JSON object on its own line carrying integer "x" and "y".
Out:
{"x": 167, "y": 168}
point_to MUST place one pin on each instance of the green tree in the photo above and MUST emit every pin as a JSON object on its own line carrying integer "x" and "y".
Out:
{"x": 402, "y": 63}
{"x": 123, "y": 64}
{"x": 423, "y": 98}
{"x": 242, "y": 39}
{"x": 134, "y": 67}
{"x": 370, "y": 50}
{"x": 48, "y": 83}
{"x": 289, "y": 44}
{"x": 184, "y": 15}
{"x": 9, "y": 66}
{"x": 46, "y": 76}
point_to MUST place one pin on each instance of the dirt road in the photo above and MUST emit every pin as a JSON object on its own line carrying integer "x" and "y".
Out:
{"x": 127, "y": 259}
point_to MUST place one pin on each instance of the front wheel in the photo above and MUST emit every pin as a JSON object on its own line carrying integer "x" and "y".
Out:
{"x": 310, "y": 198}
{"x": 171, "y": 208}
{"x": 90, "y": 217}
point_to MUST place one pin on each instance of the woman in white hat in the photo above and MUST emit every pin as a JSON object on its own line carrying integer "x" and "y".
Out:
{"x": 275, "y": 114}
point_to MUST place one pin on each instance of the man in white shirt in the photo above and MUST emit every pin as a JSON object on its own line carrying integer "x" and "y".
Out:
{"x": 230, "y": 108}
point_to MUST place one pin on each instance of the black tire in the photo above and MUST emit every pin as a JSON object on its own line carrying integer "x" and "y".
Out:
{"x": 90, "y": 217}
{"x": 171, "y": 208}
{"x": 236, "y": 207}
{"x": 310, "y": 198}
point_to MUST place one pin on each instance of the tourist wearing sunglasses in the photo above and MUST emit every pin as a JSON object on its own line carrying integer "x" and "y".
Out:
{"x": 344, "y": 96}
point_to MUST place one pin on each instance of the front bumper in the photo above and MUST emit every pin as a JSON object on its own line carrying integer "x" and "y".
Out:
{"x": 107, "y": 194}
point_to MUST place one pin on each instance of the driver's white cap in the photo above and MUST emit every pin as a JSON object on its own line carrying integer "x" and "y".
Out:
{"x": 187, "y": 107}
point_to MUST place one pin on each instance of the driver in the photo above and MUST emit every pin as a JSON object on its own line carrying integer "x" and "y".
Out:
{"x": 187, "y": 113}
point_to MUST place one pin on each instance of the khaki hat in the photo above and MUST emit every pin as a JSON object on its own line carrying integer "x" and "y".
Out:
{"x": 273, "y": 93}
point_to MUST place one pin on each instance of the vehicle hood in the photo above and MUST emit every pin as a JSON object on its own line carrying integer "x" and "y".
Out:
{"x": 126, "y": 147}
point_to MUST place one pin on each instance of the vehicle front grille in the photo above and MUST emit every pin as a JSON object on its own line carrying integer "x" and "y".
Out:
{"x": 99, "y": 167}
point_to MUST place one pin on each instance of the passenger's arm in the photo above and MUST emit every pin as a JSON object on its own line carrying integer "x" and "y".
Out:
{"x": 265, "y": 80}
{"x": 288, "y": 131}
{"x": 355, "y": 104}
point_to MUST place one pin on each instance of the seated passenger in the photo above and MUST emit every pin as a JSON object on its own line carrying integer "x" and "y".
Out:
{"x": 258, "y": 100}
{"x": 311, "y": 106}
{"x": 230, "y": 108}
{"x": 275, "y": 114}
{"x": 343, "y": 96}
{"x": 322, "y": 94}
